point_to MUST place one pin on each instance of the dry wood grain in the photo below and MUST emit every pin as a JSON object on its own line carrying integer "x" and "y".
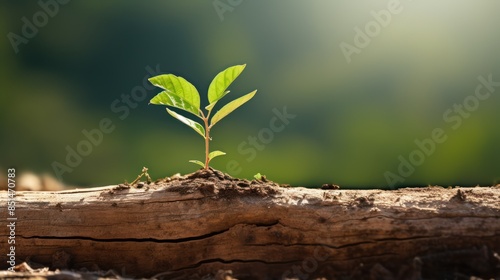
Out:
{"x": 201, "y": 223}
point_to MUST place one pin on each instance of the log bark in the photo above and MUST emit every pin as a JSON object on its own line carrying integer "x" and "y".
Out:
{"x": 207, "y": 221}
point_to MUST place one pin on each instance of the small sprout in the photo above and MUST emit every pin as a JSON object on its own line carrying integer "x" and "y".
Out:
{"x": 258, "y": 176}
{"x": 181, "y": 94}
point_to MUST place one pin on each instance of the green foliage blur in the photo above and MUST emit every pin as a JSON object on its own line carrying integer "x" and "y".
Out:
{"x": 352, "y": 122}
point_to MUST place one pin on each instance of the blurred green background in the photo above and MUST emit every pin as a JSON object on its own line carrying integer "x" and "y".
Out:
{"x": 353, "y": 120}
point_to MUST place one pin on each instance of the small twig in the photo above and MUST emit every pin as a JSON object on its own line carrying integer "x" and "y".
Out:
{"x": 143, "y": 173}
{"x": 147, "y": 175}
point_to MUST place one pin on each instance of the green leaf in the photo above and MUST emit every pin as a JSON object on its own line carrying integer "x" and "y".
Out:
{"x": 198, "y": 162}
{"x": 215, "y": 154}
{"x": 167, "y": 98}
{"x": 178, "y": 93}
{"x": 210, "y": 106}
{"x": 231, "y": 106}
{"x": 221, "y": 82}
{"x": 194, "y": 125}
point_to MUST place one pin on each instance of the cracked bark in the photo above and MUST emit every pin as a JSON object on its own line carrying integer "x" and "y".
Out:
{"x": 198, "y": 225}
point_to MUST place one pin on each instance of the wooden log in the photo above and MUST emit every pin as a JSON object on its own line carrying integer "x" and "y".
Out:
{"x": 207, "y": 221}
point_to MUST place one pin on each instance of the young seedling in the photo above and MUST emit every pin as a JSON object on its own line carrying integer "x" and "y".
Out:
{"x": 258, "y": 176}
{"x": 181, "y": 94}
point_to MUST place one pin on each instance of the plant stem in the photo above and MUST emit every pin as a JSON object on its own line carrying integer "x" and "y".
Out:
{"x": 207, "y": 142}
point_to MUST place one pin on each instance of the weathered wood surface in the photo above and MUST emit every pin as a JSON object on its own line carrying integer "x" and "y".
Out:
{"x": 195, "y": 226}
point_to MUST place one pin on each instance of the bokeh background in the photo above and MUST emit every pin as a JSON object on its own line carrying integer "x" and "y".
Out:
{"x": 353, "y": 120}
